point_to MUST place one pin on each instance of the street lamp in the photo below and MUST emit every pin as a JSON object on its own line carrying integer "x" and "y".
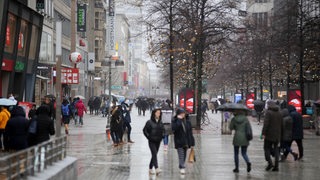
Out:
{"x": 111, "y": 62}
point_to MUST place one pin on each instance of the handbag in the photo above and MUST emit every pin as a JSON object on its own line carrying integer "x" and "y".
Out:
{"x": 248, "y": 130}
{"x": 192, "y": 157}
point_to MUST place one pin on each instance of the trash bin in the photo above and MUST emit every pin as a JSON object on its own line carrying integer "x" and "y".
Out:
{"x": 193, "y": 120}
{"x": 225, "y": 122}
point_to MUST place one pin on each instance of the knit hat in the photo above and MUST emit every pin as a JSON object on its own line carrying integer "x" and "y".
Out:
{"x": 180, "y": 111}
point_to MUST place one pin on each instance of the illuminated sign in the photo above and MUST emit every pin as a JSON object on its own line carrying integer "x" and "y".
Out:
{"x": 81, "y": 17}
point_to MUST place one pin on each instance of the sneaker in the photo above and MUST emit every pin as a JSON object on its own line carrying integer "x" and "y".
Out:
{"x": 165, "y": 147}
{"x": 151, "y": 171}
{"x": 158, "y": 171}
{"x": 182, "y": 171}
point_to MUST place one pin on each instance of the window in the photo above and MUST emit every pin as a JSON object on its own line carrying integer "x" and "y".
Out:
{"x": 33, "y": 43}
{"x": 96, "y": 54}
{"x": 96, "y": 14}
{"x": 260, "y": 19}
{"x": 22, "y": 38}
{"x": 10, "y": 33}
{"x": 96, "y": 43}
{"x": 262, "y": 1}
{"x": 96, "y": 24}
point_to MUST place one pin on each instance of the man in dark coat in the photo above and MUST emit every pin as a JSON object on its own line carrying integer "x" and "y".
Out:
{"x": 144, "y": 106}
{"x": 96, "y": 104}
{"x": 271, "y": 132}
{"x": 45, "y": 125}
{"x": 297, "y": 129}
{"x": 16, "y": 130}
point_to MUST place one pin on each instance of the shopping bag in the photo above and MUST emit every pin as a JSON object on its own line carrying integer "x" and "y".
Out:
{"x": 191, "y": 158}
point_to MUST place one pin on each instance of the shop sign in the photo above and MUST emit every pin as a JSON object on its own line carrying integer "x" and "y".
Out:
{"x": 70, "y": 76}
{"x": 7, "y": 65}
{"x": 19, "y": 66}
{"x": 8, "y": 36}
{"x": 81, "y": 17}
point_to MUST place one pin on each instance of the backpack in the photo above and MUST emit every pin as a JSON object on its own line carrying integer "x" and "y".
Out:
{"x": 65, "y": 110}
{"x": 33, "y": 126}
{"x": 248, "y": 131}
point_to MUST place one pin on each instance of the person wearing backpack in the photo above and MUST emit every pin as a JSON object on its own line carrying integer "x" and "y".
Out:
{"x": 66, "y": 113}
{"x": 239, "y": 123}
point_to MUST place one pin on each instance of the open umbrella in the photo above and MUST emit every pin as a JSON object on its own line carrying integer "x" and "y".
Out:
{"x": 232, "y": 107}
{"x": 79, "y": 96}
{"x": 7, "y": 102}
{"x": 258, "y": 103}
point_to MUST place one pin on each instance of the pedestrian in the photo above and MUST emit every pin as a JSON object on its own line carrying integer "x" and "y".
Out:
{"x": 4, "y": 117}
{"x": 271, "y": 133}
{"x": 74, "y": 111}
{"x": 239, "y": 123}
{"x": 183, "y": 137}
{"x": 96, "y": 105}
{"x": 297, "y": 129}
{"x": 165, "y": 107}
{"x": 286, "y": 137}
{"x": 216, "y": 105}
{"x": 45, "y": 125}
{"x": 144, "y": 106}
{"x": 115, "y": 125}
{"x": 66, "y": 114}
{"x": 90, "y": 105}
{"x": 138, "y": 105}
{"x": 153, "y": 130}
{"x": 16, "y": 130}
{"x": 50, "y": 103}
{"x": 127, "y": 120}
{"x": 80, "y": 110}
{"x": 32, "y": 111}
{"x": 316, "y": 118}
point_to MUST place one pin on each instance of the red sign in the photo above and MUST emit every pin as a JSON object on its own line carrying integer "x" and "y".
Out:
{"x": 295, "y": 99}
{"x": 70, "y": 76}
{"x": 7, "y": 65}
{"x": 8, "y": 36}
{"x": 249, "y": 100}
{"x": 20, "y": 41}
{"x": 187, "y": 94}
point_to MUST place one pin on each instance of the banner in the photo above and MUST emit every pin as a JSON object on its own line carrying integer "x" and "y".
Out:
{"x": 249, "y": 100}
{"x": 70, "y": 76}
{"x": 81, "y": 17}
{"x": 294, "y": 98}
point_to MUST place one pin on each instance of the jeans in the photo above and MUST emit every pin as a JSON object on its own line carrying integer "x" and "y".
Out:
{"x": 154, "y": 148}
{"x": 243, "y": 153}
{"x": 127, "y": 125}
{"x": 271, "y": 146}
{"x": 114, "y": 136}
{"x": 182, "y": 153}
{"x": 81, "y": 120}
{"x": 166, "y": 139}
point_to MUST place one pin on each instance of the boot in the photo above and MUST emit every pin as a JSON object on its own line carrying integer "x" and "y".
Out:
{"x": 270, "y": 166}
{"x": 248, "y": 167}
{"x": 295, "y": 155}
{"x": 236, "y": 170}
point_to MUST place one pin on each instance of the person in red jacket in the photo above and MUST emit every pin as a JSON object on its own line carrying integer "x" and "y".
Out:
{"x": 81, "y": 109}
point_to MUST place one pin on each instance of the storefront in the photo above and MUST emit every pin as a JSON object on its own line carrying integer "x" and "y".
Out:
{"x": 21, "y": 29}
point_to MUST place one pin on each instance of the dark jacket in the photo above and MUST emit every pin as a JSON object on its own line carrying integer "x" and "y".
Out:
{"x": 45, "y": 125}
{"x": 238, "y": 123}
{"x": 154, "y": 130}
{"x": 297, "y": 128}
{"x": 16, "y": 130}
{"x": 287, "y": 126}
{"x": 183, "y": 137}
{"x": 116, "y": 120}
{"x": 272, "y": 124}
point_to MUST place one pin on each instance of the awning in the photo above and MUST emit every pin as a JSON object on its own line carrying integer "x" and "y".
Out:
{"x": 42, "y": 77}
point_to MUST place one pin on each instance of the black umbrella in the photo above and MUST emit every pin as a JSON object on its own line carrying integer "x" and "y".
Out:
{"x": 232, "y": 107}
{"x": 258, "y": 103}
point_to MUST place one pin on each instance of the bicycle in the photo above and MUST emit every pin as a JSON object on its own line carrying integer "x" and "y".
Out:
{"x": 205, "y": 119}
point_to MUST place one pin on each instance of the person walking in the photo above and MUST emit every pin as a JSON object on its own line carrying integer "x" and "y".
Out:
{"x": 16, "y": 130}
{"x": 153, "y": 130}
{"x": 66, "y": 113}
{"x": 271, "y": 133}
{"x": 4, "y": 117}
{"x": 45, "y": 125}
{"x": 239, "y": 123}
{"x": 90, "y": 105}
{"x": 165, "y": 107}
{"x": 127, "y": 120}
{"x": 81, "y": 109}
{"x": 297, "y": 129}
{"x": 183, "y": 137}
{"x": 74, "y": 111}
{"x": 115, "y": 125}
{"x": 286, "y": 137}
{"x": 144, "y": 107}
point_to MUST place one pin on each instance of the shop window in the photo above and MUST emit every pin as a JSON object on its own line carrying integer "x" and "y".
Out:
{"x": 10, "y": 33}
{"x": 23, "y": 38}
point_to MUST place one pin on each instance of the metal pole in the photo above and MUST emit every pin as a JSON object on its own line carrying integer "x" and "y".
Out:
{"x": 58, "y": 77}
{"x": 73, "y": 26}
{"x": 110, "y": 96}
{"x": 171, "y": 52}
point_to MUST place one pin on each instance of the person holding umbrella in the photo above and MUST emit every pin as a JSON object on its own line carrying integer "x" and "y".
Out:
{"x": 4, "y": 117}
{"x": 239, "y": 123}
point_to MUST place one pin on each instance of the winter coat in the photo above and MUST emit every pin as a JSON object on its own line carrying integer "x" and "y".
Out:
{"x": 144, "y": 105}
{"x": 45, "y": 125}
{"x": 154, "y": 130}
{"x": 272, "y": 124}
{"x": 126, "y": 113}
{"x": 286, "y": 126}
{"x": 80, "y": 108}
{"x": 16, "y": 130}
{"x": 238, "y": 123}
{"x": 4, "y": 117}
{"x": 297, "y": 127}
{"x": 97, "y": 103}
{"x": 183, "y": 137}
{"x": 116, "y": 121}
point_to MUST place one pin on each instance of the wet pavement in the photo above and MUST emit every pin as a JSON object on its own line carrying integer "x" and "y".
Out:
{"x": 97, "y": 159}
